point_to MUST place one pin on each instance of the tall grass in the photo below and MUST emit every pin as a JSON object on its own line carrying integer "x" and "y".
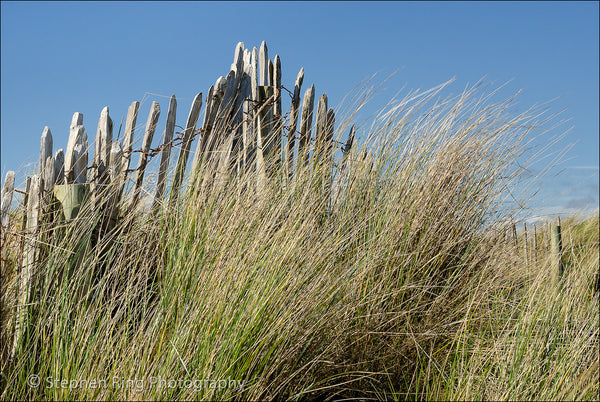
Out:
{"x": 399, "y": 287}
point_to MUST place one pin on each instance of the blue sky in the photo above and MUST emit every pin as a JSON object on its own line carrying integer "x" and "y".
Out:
{"x": 58, "y": 58}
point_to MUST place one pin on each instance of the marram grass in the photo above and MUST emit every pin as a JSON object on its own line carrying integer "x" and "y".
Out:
{"x": 400, "y": 286}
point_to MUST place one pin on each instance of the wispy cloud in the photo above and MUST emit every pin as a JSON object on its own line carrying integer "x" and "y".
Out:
{"x": 584, "y": 167}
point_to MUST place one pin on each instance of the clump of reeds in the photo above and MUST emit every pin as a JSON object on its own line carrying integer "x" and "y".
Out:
{"x": 396, "y": 285}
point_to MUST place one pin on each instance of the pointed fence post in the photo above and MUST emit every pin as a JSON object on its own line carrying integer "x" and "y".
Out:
{"x": 28, "y": 271}
{"x": 165, "y": 154}
{"x": 305, "y": 127}
{"x": 320, "y": 131}
{"x": 101, "y": 156}
{"x": 264, "y": 141}
{"x": 132, "y": 113}
{"x": 190, "y": 128}
{"x": 146, "y": 142}
{"x": 59, "y": 167}
{"x": 263, "y": 61}
{"x": 116, "y": 155}
{"x": 291, "y": 142}
{"x": 45, "y": 149}
{"x": 202, "y": 141}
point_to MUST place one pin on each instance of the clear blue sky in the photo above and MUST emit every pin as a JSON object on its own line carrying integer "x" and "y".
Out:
{"x": 58, "y": 58}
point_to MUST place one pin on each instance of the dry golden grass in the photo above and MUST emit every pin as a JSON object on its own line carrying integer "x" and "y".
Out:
{"x": 402, "y": 287}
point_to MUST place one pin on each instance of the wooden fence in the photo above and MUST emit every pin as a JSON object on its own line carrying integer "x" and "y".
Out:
{"x": 243, "y": 130}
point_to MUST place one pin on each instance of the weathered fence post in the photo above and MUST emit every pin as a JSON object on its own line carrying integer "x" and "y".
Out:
{"x": 320, "y": 132}
{"x": 28, "y": 270}
{"x": 190, "y": 127}
{"x": 264, "y": 140}
{"x": 165, "y": 154}
{"x": 8, "y": 188}
{"x": 291, "y": 142}
{"x": 199, "y": 153}
{"x": 305, "y": 128}
{"x": 101, "y": 156}
{"x": 147, "y": 141}
{"x": 59, "y": 167}
{"x": 263, "y": 62}
{"x": 556, "y": 249}
{"x": 116, "y": 154}
{"x": 45, "y": 149}
{"x": 130, "y": 122}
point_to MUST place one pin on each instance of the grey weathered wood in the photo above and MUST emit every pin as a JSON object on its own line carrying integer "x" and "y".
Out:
{"x": 81, "y": 163}
{"x": 165, "y": 154}
{"x": 250, "y": 123}
{"x": 48, "y": 179}
{"x": 8, "y": 188}
{"x": 295, "y": 108}
{"x": 254, "y": 74}
{"x": 205, "y": 137}
{"x": 75, "y": 138}
{"x": 45, "y": 149}
{"x": 76, "y": 120}
{"x": 246, "y": 136}
{"x": 556, "y": 249}
{"x": 116, "y": 153}
{"x": 320, "y": 130}
{"x": 116, "y": 158}
{"x": 238, "y": 63}
{"x": 237, "y": 102}
{"x": 143, "y": 161}
{"x": 190, "y": 127}
{"x": 103, "y": 144}
{"x": 59, "y": 167}
{"x": 130, "y": 122}
{"x": 202, "y": 141}
{"x": 26, "y": 282}
{"x": 263, "y": 62}
{"x": 247, "y": 60}
{"x": 263, "y": 136}
{"x": 227, "y": 102}
{"x": 244, "y": 93}
{"x": 242, "y": 90}
{"x": 212, "y": 125}
{"x": 305, "y": 125}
